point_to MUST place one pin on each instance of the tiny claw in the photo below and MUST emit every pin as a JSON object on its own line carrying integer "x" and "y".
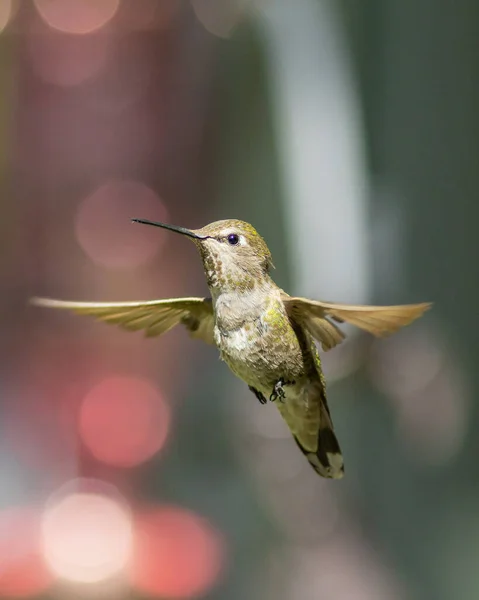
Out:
{"x": 278, "y": 391}
{"x": 258, "y": 395}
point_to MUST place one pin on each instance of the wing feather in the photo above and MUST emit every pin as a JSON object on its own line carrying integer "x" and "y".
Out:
{"x": 155, "y": 317}
{"x": 377, "y": 320}
{"x": 325, "y": 332}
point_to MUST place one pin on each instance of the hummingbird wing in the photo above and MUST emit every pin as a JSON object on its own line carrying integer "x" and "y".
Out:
{"x": 381, "y": 321}
{"x": 155, "y": 317}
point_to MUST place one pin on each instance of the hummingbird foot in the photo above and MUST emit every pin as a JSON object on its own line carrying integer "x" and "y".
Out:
{"x": 278, "y": 391}
{"x": 258, "y": 394}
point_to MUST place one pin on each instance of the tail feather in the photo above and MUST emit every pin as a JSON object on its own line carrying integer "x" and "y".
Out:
{"x": 327, "y": 461}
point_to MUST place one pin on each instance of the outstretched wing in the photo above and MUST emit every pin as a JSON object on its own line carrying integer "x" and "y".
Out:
{"x": 381, "y": 321}
{"x": 155, "y": 317}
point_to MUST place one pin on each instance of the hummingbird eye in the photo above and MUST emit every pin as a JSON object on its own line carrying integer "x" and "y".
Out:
{"x": 233, "y": 239}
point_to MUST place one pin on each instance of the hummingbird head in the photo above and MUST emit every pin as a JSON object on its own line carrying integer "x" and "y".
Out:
{"x": 235, "y": 257}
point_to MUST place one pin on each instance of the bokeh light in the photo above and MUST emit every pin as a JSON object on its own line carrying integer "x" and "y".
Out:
{"x": 177, "y": 554}
{"x": 23, "y": 572}
{"x": 77, "y": 16}
{"x": 87, "y": 535}
{"x": 5, "y": 13}
{"x": 104, "y": 228}
{"x": 219, "y": 18}
{"x": 124, "y": 421}
{"x": 67, "y": 60}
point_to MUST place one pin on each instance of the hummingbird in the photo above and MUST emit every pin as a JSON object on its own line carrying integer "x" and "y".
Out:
{"x": 265, "y": 336}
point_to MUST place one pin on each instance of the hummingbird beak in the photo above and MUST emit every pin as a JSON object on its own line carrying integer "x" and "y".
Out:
{"x": 181, "y": 230}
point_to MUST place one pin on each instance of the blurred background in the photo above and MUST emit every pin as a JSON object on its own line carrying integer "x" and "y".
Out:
{"x": 347, "y": 133}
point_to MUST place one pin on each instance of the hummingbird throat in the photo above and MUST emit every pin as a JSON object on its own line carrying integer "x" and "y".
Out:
{"x": 224, "y": 274}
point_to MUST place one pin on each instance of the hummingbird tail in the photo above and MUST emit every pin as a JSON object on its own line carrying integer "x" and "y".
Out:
{"x": 327, "y": 461}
